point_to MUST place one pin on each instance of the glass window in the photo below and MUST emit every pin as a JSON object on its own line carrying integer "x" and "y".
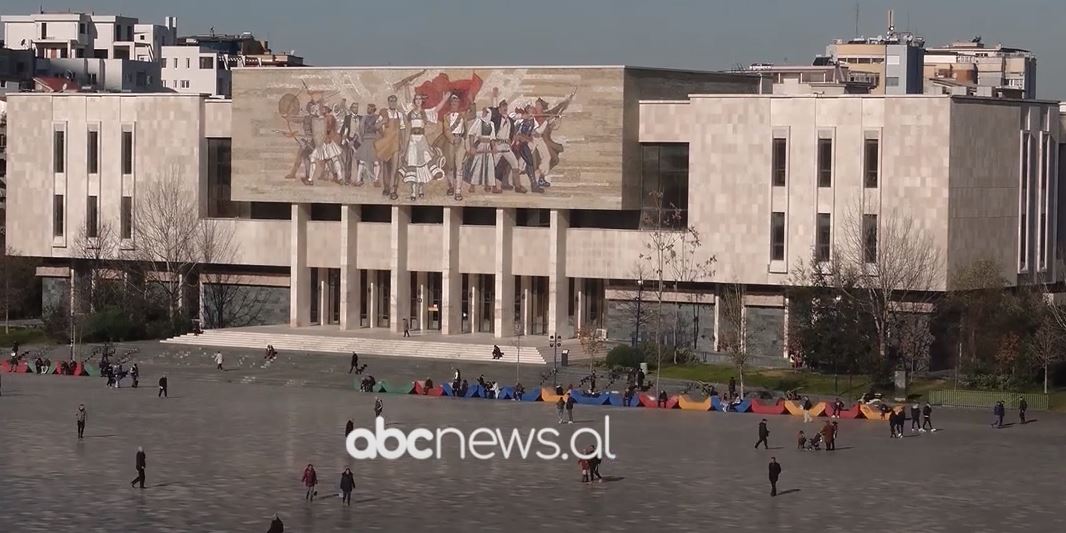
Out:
{"x": 823, "y": 237}
{"x": 126, "y": 218}
{"x": 57, "y": 215}
{"x": 59, "y": 152}
{"x": 825, "y": 162}
{"x": 207, "y": 63}
{"x": 664, "y": 184}
{"x": 780, "y": 163}
{"x": 869, "y": 238}
{"x": 93, "y": 152}
{"x": 219, "y": 158}
{"x": 127, "y": 152}
{"x": 777, "y": 236}
{"x": 870, "y": 163}
{"x": 92, "y": 217}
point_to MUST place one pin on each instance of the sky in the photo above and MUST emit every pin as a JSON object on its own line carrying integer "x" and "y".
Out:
{"x": 697, "y": 34}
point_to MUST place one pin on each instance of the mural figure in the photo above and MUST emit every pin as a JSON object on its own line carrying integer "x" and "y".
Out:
{"x": 422, "y": 161}
{"x": 442, "y": 134}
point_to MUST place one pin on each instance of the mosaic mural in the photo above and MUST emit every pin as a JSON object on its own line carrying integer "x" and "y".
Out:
{"x": 546, "y": 137}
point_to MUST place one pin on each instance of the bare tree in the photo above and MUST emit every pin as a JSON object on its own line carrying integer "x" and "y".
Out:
{"x": 736, "y": 335}
{"x": 166, "y": 229}
{"x": 227, "y": 302}
{"x": 94, "y": 251}
{"x": 591, "y": 343}
{"x": 892, "y": 260}
{"x": 632, "y": 306}
{"x": 18, "y": 275}
{"x": 1046, "y": 343}
{"x": 688, "y": 267}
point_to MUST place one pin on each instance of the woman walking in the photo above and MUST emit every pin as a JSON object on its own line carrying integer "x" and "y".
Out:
{"x": 310, "y": 480}
{"x": 347, "y": 485}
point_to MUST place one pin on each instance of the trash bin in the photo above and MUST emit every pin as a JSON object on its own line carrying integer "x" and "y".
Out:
{"x": 644, "y": 368}
{"x": 564, "y": 358}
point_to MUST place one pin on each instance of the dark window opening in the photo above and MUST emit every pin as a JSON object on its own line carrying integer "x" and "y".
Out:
{"x": 777, "y": 236}
{"x": 326, "y": 212}
{"x": 207, "y": 63}
{"x": 590, "y": 218}
{"x": 59, "y": 152}
{"x": 869, "y": 234}
{"x": 127, "y": 152}
{"x": 823, "y": 237}
{"x": 219, "y": 160}
{"x": 825, "y": 162}
{"x": 93, "y": 152}
{"x": 532, "y": 218}
{"x": 479, "y": 216}
{"x": 270, "y": 211}
{"x": 57, "y": 215}
{"x": 664, "y": 185}
{"x": 870, "y": 166}
{"x": 377, "y": 213}
{"x": 126, "y": 218}
{"x": 92, "y": 217}
{"x": 780, "y": 162}
{"x": 425, "y": 214}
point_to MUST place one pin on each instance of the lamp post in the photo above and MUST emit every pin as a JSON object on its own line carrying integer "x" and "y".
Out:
{"x": 553, "y": 342}
{"x": 518, "y": 360}
{"x": 640, "y": 290}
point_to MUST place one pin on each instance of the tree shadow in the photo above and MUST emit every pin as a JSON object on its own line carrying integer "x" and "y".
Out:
{"x": 1007, "y": 425}
{"x": 99, "y": 436}
{"x": 775, "y": 448}
{"x": 789, "y": 491}
{"x": 1027, "y": 422}
{"x": 366, "y": 500}
{"x": 611, "y": 479}
{"x": 842, "y": 448}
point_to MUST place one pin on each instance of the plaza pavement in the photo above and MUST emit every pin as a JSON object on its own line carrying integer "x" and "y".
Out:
{"x": 225, "y": 452}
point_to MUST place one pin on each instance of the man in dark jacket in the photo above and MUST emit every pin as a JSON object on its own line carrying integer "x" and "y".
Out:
{"x": 140, "y": 468}
{"x": 775, "y": 474}
{"x": 927, "y": 417}
{"x": 276, "y": 525}
{"x": 640, "y": 379}
{"x": 348, "y": 428}
{"x": 763, "y": 435}
{"x": 347, "y": 485}
{"x": 355, "y": 363}
{"x": 162, "y": 387}
{"x": 997, "y": 413}
{"x": 1023, "y": 406}
{"x": 570, "y": 401}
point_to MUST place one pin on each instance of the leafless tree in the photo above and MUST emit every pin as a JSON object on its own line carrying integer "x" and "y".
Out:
{"x": 227, "y": 302}
{"x": 592, "y": 344}
{"x": 18, "y": 275}
{"x": 633, "y": 305}
{"x": 1046, "y": 343}
{"x": 735, "y": 337}
{"x": 94, "y": 252}
{"x": 687, "y": 267}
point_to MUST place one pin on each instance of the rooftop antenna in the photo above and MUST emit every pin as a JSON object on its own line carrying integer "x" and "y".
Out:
{"x": 856, "y": 34}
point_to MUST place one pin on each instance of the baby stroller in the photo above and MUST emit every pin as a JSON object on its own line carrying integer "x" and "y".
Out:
{"x": 815, "y": 442}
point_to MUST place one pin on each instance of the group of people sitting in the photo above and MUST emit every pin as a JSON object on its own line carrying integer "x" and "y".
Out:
{"x": 367, "y": 384}
{"x": 827, "y": 436}
{"x": 271, "y": 353}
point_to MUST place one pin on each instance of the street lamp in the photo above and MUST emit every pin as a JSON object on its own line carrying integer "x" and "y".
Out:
{"x": 553, "y": 342}
{"x": 640, "y": 290}
{"x": 518, "y": 361}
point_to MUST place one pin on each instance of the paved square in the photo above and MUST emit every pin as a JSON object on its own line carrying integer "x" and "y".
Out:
{"x": 226, "y": 456}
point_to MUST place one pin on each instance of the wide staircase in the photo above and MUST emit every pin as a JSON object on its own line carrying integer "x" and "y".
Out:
{"x": 393, "y": 347}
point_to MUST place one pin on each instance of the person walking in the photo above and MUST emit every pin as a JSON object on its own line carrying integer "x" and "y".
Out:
{"x": 828, "y": 435}
{"x": 355, "y": 363}
{"x": 807, "y": 406}
{"x": 594, "y": 464}
{"x": 378, "y": 407}
{"x": 775, "y": 474}
{"x": 570, "y": 401}
{"x": 916, "y": 417}
{"x": 560, "y": 405}
{"x": 640, "y": 379}
{"x": 162, "y": 387}
{"x": 663, "y": 400}
{"x": 1023, "y": 406}
{"x": 347, "y": 485}
{"x": 927, "y": 418}
{"x": 80, "y": 418}
{"x": 276, "y": 525}
{"x": 406, "y": 329}
{"x": 349, "y": 427}
{"x": 764, "y": 433}
{"x": 141, "y": 465}
{"x": 135, "y": 373}
{"x": 310, "y": 480}
{"x": 998, "y": 411}
{"x": 218, "y": 360}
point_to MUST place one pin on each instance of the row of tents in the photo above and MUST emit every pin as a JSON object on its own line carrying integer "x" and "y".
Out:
{"x": 24, "y": 367}
{"x": 677, "y": 401}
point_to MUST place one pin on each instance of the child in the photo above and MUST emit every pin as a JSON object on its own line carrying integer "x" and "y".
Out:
{"x": 584, "y": 464}
{"x": 801, "y": 442}
{"x": 559, "y": 405}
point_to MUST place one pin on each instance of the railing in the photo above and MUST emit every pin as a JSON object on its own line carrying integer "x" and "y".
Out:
{"x": 985, "y": 399}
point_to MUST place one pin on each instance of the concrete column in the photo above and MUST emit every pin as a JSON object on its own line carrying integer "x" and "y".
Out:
{"x": 299, "y": 274}
{"x": 784, "y": 343}
{"x": 399, "y": 276}
{"x": 503, "y": 319}
{"x": 372, "y": 298}
{"x": 351, "y": 289}
{"x": 579, "y": 305}
{"x": 526, "y": 285}
{"x": 451, "y": 279}
{"x": 717, "y": 313}
{"x": 475, "y": 307}
{"x": 558, "y": 286}
{"x": 422, "y": 279}
{"x": 323, "y": 296}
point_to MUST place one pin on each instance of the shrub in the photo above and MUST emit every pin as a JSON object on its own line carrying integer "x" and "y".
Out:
{"x": 625, "y": 356}
{"x": 111, "y": 324}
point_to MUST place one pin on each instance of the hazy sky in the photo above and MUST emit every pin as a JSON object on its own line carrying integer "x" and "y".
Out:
{"x": 701, "y": 34}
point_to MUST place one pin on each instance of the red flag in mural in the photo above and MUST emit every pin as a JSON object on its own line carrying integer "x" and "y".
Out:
{"x": 442, "y": 87}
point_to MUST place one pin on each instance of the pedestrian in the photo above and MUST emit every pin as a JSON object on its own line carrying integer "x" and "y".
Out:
{"x": 406, "y": 330}
{"x": 349, "y": 427}
{"x": 570, "y": 401}
{"x": 663, "y": 399}
{"x": 764, "y": 433}
{"x": 355, "y": 363}
{"x": 378, "y": 407}
{"x": 310, "y": 480}
{"x": 583, "y": 464}
{"x": 347, "y": 485}
{"x": 916, "y": 412}
{"x": 560, "y": 404}
{"x": 640, "y": 379}
{"x": 827, "y": 436}
{"x": 162, "y": 387}
{"x": 838, "y": 406}
{"x": 807, "y": 406}
{"x": 997, "y": 414}
{"x": 80, "y": 418}
{"x": 801, "y": 440}
{"x": 927, "y": 417}
{"x": 135, "y": 373}
{"x": 775, "y": 474}
{"x": 218, "y": 360}
{"x": 141, "y": 465}
{"x": 594, "y": 464}
{"x": 1023, "y": 406}
{"x": 892, "y": 423}
{"x": 276, "y": 525}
